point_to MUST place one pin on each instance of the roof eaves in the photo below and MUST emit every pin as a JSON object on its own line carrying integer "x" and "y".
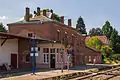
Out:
{"x": 93, "y": 49}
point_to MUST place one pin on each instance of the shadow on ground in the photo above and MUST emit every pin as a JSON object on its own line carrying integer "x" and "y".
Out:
{"x": 18, "y": 72}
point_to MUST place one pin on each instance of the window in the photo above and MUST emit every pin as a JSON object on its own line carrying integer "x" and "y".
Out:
{"x": 58, "y": 57}
{"x": 45, "y": 50}
{"x": 38, "y": 48}
{"x": 58, "y": 50}
{"x": 89, "y": 58}
{"x": 30, "y": 34}
{"x": 46, "y": 58}
{"x": 72, "y": 39}
{"x": 58, "y": 34}
{"x": 52, "y": 50}
{"x": 27, "y": 58}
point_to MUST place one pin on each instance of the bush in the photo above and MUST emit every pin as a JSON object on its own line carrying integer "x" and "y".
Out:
{"x": 93, "y": 70}
{"x": 116, "y": 56}
{"x": 107, "y": 60}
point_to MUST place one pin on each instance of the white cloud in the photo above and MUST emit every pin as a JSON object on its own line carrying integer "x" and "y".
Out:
{"x": 3, "y": 17}
{"x": 22, "y": 18}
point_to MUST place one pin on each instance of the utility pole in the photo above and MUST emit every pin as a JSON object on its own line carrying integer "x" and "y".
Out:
{"x": 34, "y": 53}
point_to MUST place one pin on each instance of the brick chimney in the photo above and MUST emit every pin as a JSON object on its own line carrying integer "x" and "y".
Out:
{"x": 44, "y": 12}
{"x": 69, "y": 22}
{"x": 27, "y": 14}
{"x": 38, "y": 11}
{"x": 62, "y": 19}
{"x": 51, "y": 11}
{"x": 52, "y": 17}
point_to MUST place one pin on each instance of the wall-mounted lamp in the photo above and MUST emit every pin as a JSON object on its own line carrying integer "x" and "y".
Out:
{"x": 65, "y": 32}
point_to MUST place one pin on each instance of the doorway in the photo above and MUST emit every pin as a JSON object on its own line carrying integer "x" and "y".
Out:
{"x": 14, "y": 61}
{"x": 52, "y": 60}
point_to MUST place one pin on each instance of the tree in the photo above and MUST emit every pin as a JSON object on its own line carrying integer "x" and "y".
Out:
{"x": 95, "y": 32}
{"x": 117, "y": 50}
{"x": 106, "y": 51}
{"x": 2, "y": 28}
{"x": 113, "y": 40}
{"x": 80, "y": 26}
{"x": 94, "y": 42}
{"x": 107, "y": 29}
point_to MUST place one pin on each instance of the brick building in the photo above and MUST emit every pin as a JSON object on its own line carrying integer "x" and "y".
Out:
{"x": 57, "y": 35}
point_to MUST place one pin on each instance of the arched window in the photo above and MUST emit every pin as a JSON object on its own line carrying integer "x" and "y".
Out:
{"x": 58, "y": 35}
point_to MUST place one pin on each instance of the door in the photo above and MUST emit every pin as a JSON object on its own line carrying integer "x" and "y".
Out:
{"x": 52, "y": 60}
{"x": 14, "y": 60}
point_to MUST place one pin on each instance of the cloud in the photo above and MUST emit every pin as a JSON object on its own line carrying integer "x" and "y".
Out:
{"x": 22, "y": 18}
{"x": 3, "y": 17}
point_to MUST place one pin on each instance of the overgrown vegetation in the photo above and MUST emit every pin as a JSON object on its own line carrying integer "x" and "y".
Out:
{"x": 94, "y": 42}
{"x": 2, "y": 28}
{"x": 108, "y": 52}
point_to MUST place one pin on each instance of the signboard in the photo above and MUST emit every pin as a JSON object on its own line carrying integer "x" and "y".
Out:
{"x": 34, "y": 50}
{"x": 31, "y": 54}
{"x": 36, "y": 54}
{"x": 61, "y": 51}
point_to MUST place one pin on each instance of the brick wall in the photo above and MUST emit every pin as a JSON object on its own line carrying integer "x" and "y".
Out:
{"x": 49, "y": 30}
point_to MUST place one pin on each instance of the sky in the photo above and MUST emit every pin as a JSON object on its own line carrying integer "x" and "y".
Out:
{"x": 93, "y": 12}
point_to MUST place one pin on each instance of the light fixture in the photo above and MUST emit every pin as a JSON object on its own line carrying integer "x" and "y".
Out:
{"x": 58, "y": 30}
{"x": 65, "y": 32}
{"x": 72, "y": 34}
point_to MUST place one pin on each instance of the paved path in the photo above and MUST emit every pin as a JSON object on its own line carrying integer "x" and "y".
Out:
{"x": 41, "y": 75}
{"x": 50, "y": 73}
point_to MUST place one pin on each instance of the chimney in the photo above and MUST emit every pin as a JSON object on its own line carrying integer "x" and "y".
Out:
{"x": 52, "y": 17}
{"x": 27, "y": 15}
{"x": 44, "y": 13}
{"x": 51, "y": 11}
{"x": 38, "y": 11}
{"x": 62, "y": 19}
{"x": 69, "y": 22}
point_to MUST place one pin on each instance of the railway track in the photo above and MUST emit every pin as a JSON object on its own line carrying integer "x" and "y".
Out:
{"x": 111, "y": 74}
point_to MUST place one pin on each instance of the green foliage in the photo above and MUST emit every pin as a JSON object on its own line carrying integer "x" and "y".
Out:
{"x": 56, "y": 16}
{"x": 115, "y": 56}
{"x": 93, "y": 70}
{"x": 30, "y": 16}
{"x": 94, "y": 42}
{"x": 107, "y": 60}
{"x": 113, "y": 40}
{"x": 107, "y": 29}
{"x": 106, "y": 51}
{"x": 2, "y": 28}
{"x": 81, "y": 26}
{"x": 95, "y": 32}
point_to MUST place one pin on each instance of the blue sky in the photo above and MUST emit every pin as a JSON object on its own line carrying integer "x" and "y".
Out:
{"x": 94, "y": 12}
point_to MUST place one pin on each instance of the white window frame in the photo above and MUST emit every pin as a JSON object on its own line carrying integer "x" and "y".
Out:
{"x": 45, "y": 59}
{"x": 90, "y": 59}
